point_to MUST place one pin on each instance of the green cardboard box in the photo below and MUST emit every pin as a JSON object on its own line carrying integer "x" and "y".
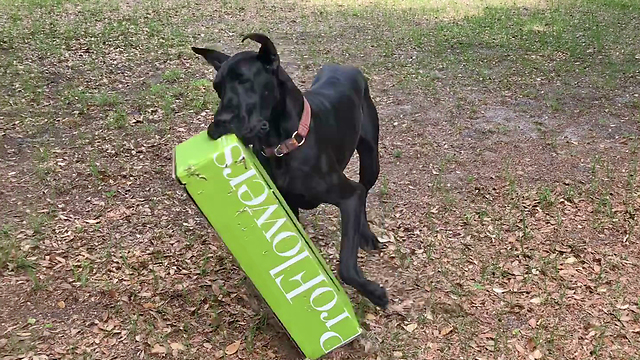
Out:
{"x": 233, "y": 191}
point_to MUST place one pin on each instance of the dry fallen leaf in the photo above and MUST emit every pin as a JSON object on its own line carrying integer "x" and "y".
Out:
{"x": 61, "y": 304}
{"x": 370, "y": 317}
{"x": 535, "y": 300}
{"x": 158, "y": 349}
{"x": 177, "y": 346}
{"x": 570, "y": 260}
{"x": 233, "y": 348}
{"x": 446, "y": 330}
{"x": 397, "y": 354}
{"x": 531, "y": 344}
{"x": 148, "y": 305}
{"x": 411, "y": 327}
{"x": 499, "y": 290}
{"x": 537, "y": 354}
{"x": 533, "y": 323}
{"x": 429, "y": 315}
{"x": 520, "y": 349}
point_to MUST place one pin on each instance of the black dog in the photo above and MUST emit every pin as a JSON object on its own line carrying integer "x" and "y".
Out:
{"x": 262, "y": 106}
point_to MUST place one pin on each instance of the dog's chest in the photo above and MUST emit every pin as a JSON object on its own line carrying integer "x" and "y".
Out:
{"x": 298, "y": 191}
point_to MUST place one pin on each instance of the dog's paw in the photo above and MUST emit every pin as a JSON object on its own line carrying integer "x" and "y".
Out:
{"x": 378, "y": 296}
{"x": 369, "y": 241}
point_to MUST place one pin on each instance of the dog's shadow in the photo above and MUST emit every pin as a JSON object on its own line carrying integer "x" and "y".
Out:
{"x": 273, "y": 327}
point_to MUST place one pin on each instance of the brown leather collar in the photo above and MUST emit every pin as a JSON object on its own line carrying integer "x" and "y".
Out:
{"x": 297, "y": 139}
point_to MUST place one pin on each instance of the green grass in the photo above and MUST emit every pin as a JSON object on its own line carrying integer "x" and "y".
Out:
{"x": 117, "y": 119}
{"x": 499, "y": 45}
{"x": 8, "y": 246}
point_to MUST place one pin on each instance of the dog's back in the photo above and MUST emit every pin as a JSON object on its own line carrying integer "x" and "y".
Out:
{"x": 339, "y": 81}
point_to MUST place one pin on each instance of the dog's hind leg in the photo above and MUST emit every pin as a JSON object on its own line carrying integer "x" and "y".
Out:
{"x": 352, "y": 206}
{"x": 367, "y": 149}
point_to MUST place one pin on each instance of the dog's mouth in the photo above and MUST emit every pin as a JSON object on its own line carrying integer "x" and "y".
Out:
{"x": 250, "y": 136}
{"x": 254, "y": 133}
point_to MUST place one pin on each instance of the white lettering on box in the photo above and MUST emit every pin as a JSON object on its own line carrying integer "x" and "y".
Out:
{"x": 288, "y": 263}
{"x": 254, "y": 200}
{"x": 303, "y": 285}
{"x": 246, "y": 196}
{"x": 335, "y": 320}
{"x": 265, "y": 216}
{"x": 228, "y": 156}
{"x": 329, "y": 335}
{"x": 236, "y": 180}
{"x": 318, "y": 292}
{"x": 282, "y": 236}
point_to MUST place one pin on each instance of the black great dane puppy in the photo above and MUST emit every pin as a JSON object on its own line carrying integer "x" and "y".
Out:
{"x": 304, "y": 155}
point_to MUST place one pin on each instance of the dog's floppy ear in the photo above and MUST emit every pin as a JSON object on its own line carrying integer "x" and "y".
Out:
{"x": 267, "y": 53}
{"x": 213, "y": 57}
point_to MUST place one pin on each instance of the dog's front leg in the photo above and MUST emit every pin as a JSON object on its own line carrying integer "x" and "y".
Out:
{"x": 352, "y": 207}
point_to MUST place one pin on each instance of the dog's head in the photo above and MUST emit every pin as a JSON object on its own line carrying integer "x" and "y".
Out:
{"x": 247, "y": 85}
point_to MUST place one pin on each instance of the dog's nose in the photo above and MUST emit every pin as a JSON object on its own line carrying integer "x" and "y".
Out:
{"x": 264, "y": 127}
{"x": 212, "y": 132}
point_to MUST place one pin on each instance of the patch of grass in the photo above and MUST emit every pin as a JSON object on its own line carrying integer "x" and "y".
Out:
{"x": 510, "y": 180}
{"x": 9, "y": 250}
{"x": 493, "y": 271}
{"x": 570, "y": 193}
{"x": 604, "y": 206}
{"x": 172, "y": 75}
{"x": 545, "y": 197}
{"x": 107, "y": 99}
{"x": 259, "y": 324}
{"x": 384, "y": 186}
{"x": 199, "y": 95}
{"x": 397, "y": 153}
{"x": 81, "y": 273}
{"x": 554, "y": 104}
{"x": 204, "y": 268}
{"x": 23, "y": 263}
{"x": 117, "y": 119}
{"x": 42, "y": 155}
{"x": 93, "y": 169}
{"x": 36, "y": 222}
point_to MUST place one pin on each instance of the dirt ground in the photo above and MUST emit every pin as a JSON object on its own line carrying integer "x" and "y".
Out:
{"x": 508, "y": 194}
